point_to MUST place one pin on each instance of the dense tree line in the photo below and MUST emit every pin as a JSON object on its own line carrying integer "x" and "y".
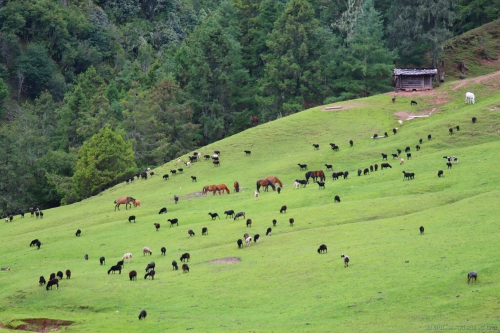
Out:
{"x": 92, "y": 91}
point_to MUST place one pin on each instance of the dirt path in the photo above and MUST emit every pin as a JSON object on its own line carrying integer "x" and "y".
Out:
{"x": 476, "y": 80}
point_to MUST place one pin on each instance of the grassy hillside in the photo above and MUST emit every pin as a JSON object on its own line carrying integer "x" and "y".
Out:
{"x": 397, "y": 281}
{"x": 479, "y": 48}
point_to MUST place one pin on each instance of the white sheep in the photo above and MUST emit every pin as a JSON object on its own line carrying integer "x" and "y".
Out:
{"x": 296, "y": 184}
{"x": 256, "y": 194}
{"x": 127, "y": 256}
{"x": 470, "y": 98}
{"x": 248, "y": 240}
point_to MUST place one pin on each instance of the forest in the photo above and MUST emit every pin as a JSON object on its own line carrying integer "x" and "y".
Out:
{"x": 92, "y": 91}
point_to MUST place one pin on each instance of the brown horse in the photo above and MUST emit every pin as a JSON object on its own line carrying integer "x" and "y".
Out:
{"x": 222, "y": 187}
{"x": 236, "y": 187}
{"x": 315, "y": 174}
{"x": 124, "y": 200}
{"x": 274, "y": 180}
{"x": 210, "y": 188}
{"x": 266, "y": 183}
{"x": 137, "y": 203}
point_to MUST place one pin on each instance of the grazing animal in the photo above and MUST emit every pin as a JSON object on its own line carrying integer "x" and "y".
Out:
{"x": 316, "y": 146}
{"x": 385, "y": 165}
{"x": 408, "y": 155}
{"x": 214, "y": 215}
{"x": 229, "y": 213}
{"x": 133, "y": 276}
{"x": 421, "y": 229}
{"x": 185, "y": 268}
{"x": 274, "y": 223}
{"x": 384, "y": 156}
{"x": 336, "y": 199}
{"x": 302, "y": 166}
{"x": 146, "y": 250}
{"x": 34, "y": 242}
{"x": 151, "y": 273}
{"x": 375, "y": 135}
{"x": 268, "y": 232}
{"x": 191, "y": 233}
{"x": 51, "y": 283}
{"x": 449, "y": 165}
{"x": 283, "y": 209}
{"x": 42, "y": 281}
{"x": 217, "y": 152}
{"x": 471, "y": 276}
{"x": 394, "y": 130}
{"x": 417, "y": 147}
{"x": 131, "y": 218}
{"x": 474, "y": 119}
{"x": 334, "y": 146}
{"x": 359, "y": 172}
{"x": 41, "y": 216}
{"x": 151, "y": 266}
{"x": 38, "y": 244}
{"x": 407, "y": 149}
{"x": 346, "y": 260}
{"x": 376, "y": 167}
{"x": 222, "y": 187}
{"x": 394, "y": 99}
{"x": 457, "y": 128}
{"x": 163, "y": 210}
{"x": 335, "y": 176}
{"x": 274, "y": 180}
{"x": 173, "y": 172}
{"x": 366, "y": 171}
{"x": 291, "y": 220}
{"x": 68, "y": 274}
{"x": 402, "y": 161}
{"x": 204, "y": 231}
{"x": 351, "y": 142}
{"x": 120, "y": 263}
{"x": 86, "y": 256}
{"x": 78, "y": 233}
{"x": 240, "y": 243}
{"x": 428, "y": 137}
{"x": 413, "y": 103}
{"x": 137, "y": 203}
{"x": 315, "y": 175}
{"x": 247, "y": 152}
{"x": 470, "y": 98}
{"x": 238, "y": 215}
{"x": 236, "y": 186}
{"x": 176, "y": 199}
{"x": 399, "y": 151}
{"x": 216, "y": 163}
{"x": 296, "y": 184}
{"x": 207, "y": 157}
{"x": 249, "y": 223}
{"x": 371, "y": 168}
{"x": 322, "y": 249}
{"x": 59, "y": 275}
{"x": 157, "y": 226}
{"x": 440, "y": 173}
{"x": 180, "y": 170}
{"x": 52, "y": 276}
{"x": 143, "y": 314}
{"x": 395, "y": 155}
{"x": 256, "y": 194}
{"x": 256, "y": 238}
{"x": 185, "y": 256}
{"x": 124, "y": 200}
{"x": 329, "y": 167}
{"x": 115, "y": 268}
{"x": 151, "y": 174}
{"x": 127, "y": 256}
{"x": 163, "y": 251}
{"x": 302, "y": 182}
{"x": 173, "y": 221}
{"x": 347, "y": 172}
{"x": 166, "y": 176}
{"x": 450, "y": 130}
{"x": 406, "y": 175}
{"x": 248, "y": 240}
{"x": 193, "y": 178}
{"x": 174, "y": 265}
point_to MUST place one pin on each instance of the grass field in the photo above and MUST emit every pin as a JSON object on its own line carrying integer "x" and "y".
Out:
{"x": 397, "y": 280}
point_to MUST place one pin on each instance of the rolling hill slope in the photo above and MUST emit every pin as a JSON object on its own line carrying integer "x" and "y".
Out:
{"x": 397, "y": 280}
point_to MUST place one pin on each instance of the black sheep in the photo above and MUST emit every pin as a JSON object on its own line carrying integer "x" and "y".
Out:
{"x": 120, "y": 263}
{"x": 173, "y": 221}
{"x": 163, "y": 210}
{"x": 249, "y": 223}
{"x": 34, "y": 242}
{"x": 42, "y": 281}
{"x": 450, "y": 130}
{"x": 193, "y": 178}
{"x": 185, "y": 268}
{"x": 52, "y": 276}
{"x": 256, "y": 238}
{"x": 238, "y": 215}
{"x": 176, "y": 199}
{"x": 150, "y": 273}
{"x": 302, "y": 166}
{"x": 115, "y": 268}
{"x": 204, "y": 231}
{"x": 346, "y": 260}
{"x": 359, "y": 172}
{"x": 329, "y": 167}
{"x": 151, "y": 265}
{"x": 174, "y": 265}
{"x": 336, "y": 199}
{"x": 322, "y": 249}
{"x": 316, "y": 146}
{"x": 407, "y": 149}
{"x": 132, "y": 275}
{"x": 157, "y": 226}
{"x": 214, "y": 215}
{"x": 51, "y": 283}
{"x": 185, "y": 256}
{"x": 371, "y": 168}
{"x": 68, "y": 274}
{"x": 86, "y": 256}
{"x": 417, "y": 147}
{"x": 385, "y": 165}
{"x": 131, "y": 218}
{"x": 163, "y": 250}
{"x": 191, "y": 233}
{"x": 60, "y": 275}
{"x": 291, "y": 220}
{"x": 384, "y": 156}
{"x": 366, "y": 171}
{"x": 321, "y": 184}
{"x": 247, "y": 152}
{"x": 408, "y": 155}
{"x": 166, "y": 176}
{"x": 471, "y": 276}
{"x": 268, "y": 232}
{"x": 474, "y": 119}
{"x": 428, "y": 137}
{"x": 78, "y": 233}
{"x": 143, "y": 314}
{"x": 102, "y": 260}
{"x": 283, "y": 209}
{"x": 421, "y": 229}
{"x": 274, "y": 223}
{"x": 440, "y": 173}
{"x": 351, "y": 142}
{"x": 449, "y": 165}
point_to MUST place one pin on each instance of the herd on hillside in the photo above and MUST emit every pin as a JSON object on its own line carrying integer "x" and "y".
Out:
{"x": 318, "y": 177}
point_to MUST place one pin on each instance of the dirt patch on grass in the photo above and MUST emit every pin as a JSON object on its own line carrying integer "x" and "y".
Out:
{"x": 408, "y": 116}
{"x": 340, "y": 107}
{"x": 230, "y": 260}
{"x": 474, "y": 81}
{"x": 41, "y": 325}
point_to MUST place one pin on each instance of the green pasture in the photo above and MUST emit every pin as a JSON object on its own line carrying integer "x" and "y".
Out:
{"x": 397, "y": 280}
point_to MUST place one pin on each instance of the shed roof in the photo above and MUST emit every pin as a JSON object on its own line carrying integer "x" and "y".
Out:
{"x": 415, "y": 71}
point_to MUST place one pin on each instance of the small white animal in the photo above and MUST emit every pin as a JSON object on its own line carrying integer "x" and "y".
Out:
{"x": 256, "y": 194}
{"x": 470, "y": 98}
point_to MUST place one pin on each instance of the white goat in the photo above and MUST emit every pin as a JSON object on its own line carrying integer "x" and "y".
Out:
{"x": 470, "y": 98}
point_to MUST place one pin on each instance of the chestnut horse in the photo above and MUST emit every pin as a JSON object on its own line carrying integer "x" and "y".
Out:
{"x": 266, "y": 183}
{"x": 210, "y": 188}
{"x": 124, "y": 200}
{"x": 222, "y": 187}
{"x": 314, "y": 175}
{"x": 274, "y": 180}
{"x": 236, "y": 187}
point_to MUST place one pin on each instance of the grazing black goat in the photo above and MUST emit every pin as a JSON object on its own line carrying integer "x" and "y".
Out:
{"x": 185, "y": 256}
{"x": 51, "y": 283}
{"x": 283, "y": 209}
{"x": 247, "y": 152}
{"x": 238, "y": 215}
{"x": 42, "y": 281}
{"x": 191, "y": 233}
{"x": 440, "y": 173}
{"x": 336, "y": 199}
{"x": 214, "y": 215}
{"x": 193, "y": 178}
{"x": 173, "y": 221}
{"x": 131, "y": 218}
{"x": 174, "y": 265}
{"x": 150, "y": 266}
{"x": 322, "y": 249}
{"x": 163, "y": 210}
{"x": 316, "y": 146}
{"x": 229, "y": 213}
{"x": 78, "y": 233}
{"x": 329, "y": 167}
{"x": 143, "y": 314}
{"x": 302, "y": 166}
{"x": 115, "y": 268}
{"x": 151, "y": 273}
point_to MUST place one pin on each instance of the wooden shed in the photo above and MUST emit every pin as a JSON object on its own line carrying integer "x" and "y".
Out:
{"x": 409, "y": 79}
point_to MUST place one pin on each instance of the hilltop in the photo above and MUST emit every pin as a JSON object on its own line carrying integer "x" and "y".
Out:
{"x": 397, "y": 280}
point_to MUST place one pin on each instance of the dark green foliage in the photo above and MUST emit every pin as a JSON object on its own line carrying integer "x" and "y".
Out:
{"x": 37, "y": 68}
